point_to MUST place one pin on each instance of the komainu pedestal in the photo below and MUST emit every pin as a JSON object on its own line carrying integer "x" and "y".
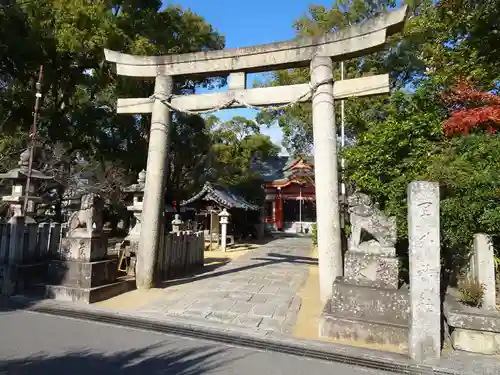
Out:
{"x": 84, "y": 272}
{"x": 367, "y": 304}
{"x": 82, "y": 248}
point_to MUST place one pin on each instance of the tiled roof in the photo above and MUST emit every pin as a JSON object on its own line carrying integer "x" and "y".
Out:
{"x": 277, "y": 168}
{"x": 222, "y": 196}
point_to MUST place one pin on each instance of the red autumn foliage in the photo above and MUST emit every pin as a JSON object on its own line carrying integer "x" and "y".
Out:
{"x": 470, "y": 109}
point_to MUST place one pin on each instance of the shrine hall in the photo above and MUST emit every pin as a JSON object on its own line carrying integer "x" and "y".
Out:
{"x": 290, "y": 204}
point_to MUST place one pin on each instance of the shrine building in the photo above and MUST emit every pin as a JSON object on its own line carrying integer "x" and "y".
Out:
{"x": 290, "y": 202}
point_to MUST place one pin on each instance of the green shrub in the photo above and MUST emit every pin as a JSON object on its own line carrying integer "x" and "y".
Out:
{"x": 471, "y": 292}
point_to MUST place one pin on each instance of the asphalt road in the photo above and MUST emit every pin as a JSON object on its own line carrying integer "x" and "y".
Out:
{"x": 32, "y": 343}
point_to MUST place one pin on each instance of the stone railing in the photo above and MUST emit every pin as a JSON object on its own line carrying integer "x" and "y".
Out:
{"x": 180, "y": 253}
{"x": 25, "y": 250}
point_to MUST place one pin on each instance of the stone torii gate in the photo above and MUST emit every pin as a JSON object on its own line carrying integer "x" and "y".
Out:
{"x": 317, "y": 53}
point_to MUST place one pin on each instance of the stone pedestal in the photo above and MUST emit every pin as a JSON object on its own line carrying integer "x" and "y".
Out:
{"x": 472, "y": 329}
{"x": 134, "y": 234}
{"x": 83, "y": 249}
{"x": 372, "y": 264}
{"x": 84, "y": 282}
{"x": 367, "y": 304}
{"x": 83, "y": 273}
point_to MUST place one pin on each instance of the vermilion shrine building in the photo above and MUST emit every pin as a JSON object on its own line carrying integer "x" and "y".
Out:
{"x": 290, "y": 195}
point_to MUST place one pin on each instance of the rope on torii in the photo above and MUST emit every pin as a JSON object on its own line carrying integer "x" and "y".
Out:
{"x": 165, "y": 99}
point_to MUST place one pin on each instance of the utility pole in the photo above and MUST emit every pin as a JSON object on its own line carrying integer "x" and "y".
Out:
{"x": 342, "y": 161}
{"x": 342, "y": 133}
{"x": 32, "y": 135}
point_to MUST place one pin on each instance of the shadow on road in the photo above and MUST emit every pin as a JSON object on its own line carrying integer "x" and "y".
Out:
{"x": 146, "y": 361}
{"x": 13, "y": 304}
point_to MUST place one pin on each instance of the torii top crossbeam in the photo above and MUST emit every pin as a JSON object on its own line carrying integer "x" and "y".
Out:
{"x": 347, "y": 43}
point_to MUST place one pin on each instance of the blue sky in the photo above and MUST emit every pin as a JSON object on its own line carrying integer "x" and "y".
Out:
{"x": 248, "y": 23}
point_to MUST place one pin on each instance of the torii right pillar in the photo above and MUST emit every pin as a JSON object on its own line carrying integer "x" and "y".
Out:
{"x": 326, "y": 176}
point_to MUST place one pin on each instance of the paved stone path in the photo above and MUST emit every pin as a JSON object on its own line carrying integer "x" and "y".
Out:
{"x": 257, "y": 290}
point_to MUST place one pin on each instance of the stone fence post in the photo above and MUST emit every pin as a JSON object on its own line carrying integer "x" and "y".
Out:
{"x": 483, "y": 268}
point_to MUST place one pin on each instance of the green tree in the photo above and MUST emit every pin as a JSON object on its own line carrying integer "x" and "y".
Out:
{"x": 392, "y": 153}
{"x": 399, "y": 137}
{"x": 467, "y": 170}
{"x": 237, "y": 143}
{"x": 79, "y": 89}
{"x": 189, "y": 157}
{"x": 401, "y": 59}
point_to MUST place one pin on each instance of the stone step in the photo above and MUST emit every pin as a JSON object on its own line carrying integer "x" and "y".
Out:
{"x": 85, "y": 295}
{"x": 342, "y": 326}
{"x": 362, "y": 301}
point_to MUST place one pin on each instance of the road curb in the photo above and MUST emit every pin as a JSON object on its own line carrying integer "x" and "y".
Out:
{"x": 366, "y": 358}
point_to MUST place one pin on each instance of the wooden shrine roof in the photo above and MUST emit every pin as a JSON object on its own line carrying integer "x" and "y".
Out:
{"x": 283, "y": 170}
{"x": 222, "y": 196}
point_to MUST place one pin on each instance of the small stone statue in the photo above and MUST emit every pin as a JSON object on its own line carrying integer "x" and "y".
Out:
{"x": 365, "y": 216}
{"x": 88, "y": 219}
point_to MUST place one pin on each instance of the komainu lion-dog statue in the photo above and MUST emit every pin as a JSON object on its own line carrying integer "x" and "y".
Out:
{"x": 366, "y": 216}
{"x": 88, "y": 218}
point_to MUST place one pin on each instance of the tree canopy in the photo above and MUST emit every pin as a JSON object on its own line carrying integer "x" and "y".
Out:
{"x": 235, "y": 145}
{"x": 78, "y": 109}
{"x": 438, "y": 122}
{"x": 79, "y": 132}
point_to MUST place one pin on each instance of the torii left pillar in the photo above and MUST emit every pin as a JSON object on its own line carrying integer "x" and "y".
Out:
{"x": 159, "y": 135}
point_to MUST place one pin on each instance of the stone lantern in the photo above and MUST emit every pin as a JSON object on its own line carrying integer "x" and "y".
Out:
{"x": 176, "y": 223}
{"x": 137, "y": 191}
{"x": 224, "y": 220}
{"x": 19, "y": 176}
